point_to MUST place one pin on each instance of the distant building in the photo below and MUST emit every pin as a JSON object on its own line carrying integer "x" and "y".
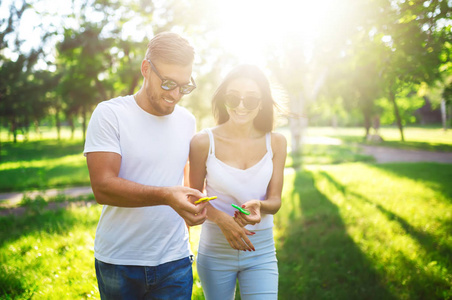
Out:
{"x": 427, "y": 115}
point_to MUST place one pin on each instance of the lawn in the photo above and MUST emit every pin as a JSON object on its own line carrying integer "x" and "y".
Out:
{"x": 348, "y": 228}
{"x": 347, "y": 231}
{"x": 42, "y": 164}
{"x": 359, "y": 231}
{"x": 432, "y": 138}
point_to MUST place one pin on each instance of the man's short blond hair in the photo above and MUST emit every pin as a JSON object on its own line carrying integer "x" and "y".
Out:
{"x": 170, "y": 48}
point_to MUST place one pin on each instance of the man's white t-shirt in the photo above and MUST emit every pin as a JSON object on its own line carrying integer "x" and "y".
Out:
{"x": 154, "y": 151}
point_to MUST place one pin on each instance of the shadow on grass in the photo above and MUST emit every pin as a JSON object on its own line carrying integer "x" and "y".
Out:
{"x": 11, "y": 285}
{"x": 40, "y": 219}
{"x": 317, "y": 258}
{"x": 439, "y": 252}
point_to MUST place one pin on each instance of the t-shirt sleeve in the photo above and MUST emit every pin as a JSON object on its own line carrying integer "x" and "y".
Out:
{"x": 102, "y": 134}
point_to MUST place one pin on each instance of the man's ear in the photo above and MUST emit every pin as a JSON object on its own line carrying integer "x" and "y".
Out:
{"x": 145, "y": 68}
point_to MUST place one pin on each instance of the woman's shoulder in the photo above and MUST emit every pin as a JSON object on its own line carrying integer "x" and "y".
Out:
{"x": 200, "y": 140}
{"x": 278, "y": 137}
{"x": 278, "y": 141}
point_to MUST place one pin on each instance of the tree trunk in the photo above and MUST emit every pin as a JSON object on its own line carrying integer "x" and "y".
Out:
{"x": 71, "y": 123}
{"x": 450, "y": 114}
{"x": 396, "y": 112}
{"x": 367, "y": 122}
{"x": 101, "y": 89}
{"x": 297, "y": 127}
{"x": 134, "y": 84}
{"x": 37, "y": 130}
{"x": 0, "y": 140}
{"x": 58, "y": 123}
{"x": 84, "y": 121}
{"x": 443, "y": 114}
{"x": 334, "y": 121}
{"x": 14, "y": 129}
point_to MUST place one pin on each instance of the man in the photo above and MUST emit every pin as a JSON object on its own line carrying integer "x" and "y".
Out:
{"x": 136, "y": 149}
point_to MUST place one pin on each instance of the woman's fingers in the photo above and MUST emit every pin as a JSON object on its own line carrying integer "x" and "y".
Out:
{"x": 241, "y": 241}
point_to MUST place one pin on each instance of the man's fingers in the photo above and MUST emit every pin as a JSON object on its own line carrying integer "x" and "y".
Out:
{"x": 196, "y": 218}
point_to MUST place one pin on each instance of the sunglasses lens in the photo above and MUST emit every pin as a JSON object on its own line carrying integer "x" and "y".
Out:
{"x": 232, "y": 101}
{"x": 187, "y": 89}
{"x": 251, "y": 102}
{"x": 168, "y": 85}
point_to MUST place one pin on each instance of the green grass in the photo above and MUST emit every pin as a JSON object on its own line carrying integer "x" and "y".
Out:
{"x": 357, "y": 231}
{"x": 47, "y": 163}
{"x": 347, "y": 231}
{"x": 327, "y": 145}
{"x": 48, "y": 254}
{"x": 314, "y": 154}
{"x": 42, "y": 164}
{"x": 416, "y": 138}
{"x": 44, "y": 133}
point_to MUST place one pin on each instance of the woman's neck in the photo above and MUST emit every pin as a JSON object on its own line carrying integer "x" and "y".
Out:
{"x": 241, "y": 131}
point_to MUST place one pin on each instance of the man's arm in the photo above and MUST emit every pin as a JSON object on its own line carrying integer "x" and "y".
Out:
{"x": 109, "y": 189}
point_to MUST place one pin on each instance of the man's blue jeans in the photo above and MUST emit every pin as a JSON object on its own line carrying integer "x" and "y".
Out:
{"x": 172, "y": 280}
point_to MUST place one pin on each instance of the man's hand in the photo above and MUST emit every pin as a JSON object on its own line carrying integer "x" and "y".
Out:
{"x": 182, "y": 199}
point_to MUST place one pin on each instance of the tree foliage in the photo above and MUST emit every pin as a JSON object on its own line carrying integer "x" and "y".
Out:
{"x": 374, "y": 53}
{"x": 22, "y": 88}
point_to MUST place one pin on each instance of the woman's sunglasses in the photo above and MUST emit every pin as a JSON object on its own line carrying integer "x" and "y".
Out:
{"x": 249, "y": 102}
{"x": 169, "y": 85}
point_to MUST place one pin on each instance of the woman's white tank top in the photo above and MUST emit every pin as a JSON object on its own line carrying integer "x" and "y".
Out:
{"x": 237, "y": 186}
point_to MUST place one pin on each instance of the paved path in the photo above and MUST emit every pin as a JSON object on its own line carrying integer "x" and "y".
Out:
{"x": 386, "y": 155}
{"x": 381, "y": 154}
{"x": 10, "y": 199}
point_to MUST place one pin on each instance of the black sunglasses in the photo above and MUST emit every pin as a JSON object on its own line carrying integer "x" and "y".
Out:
{"x": 249, "y": 102}
{"x": 169, "y": 85}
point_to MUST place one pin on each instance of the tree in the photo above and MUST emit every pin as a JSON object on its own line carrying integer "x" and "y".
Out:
{"x": 22, "y": 88}
{"x": 415, "y": 42}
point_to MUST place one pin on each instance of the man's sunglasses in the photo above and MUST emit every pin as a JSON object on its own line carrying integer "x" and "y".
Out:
{"x": 249, "y": 102}
{"x": 169, "y": 85}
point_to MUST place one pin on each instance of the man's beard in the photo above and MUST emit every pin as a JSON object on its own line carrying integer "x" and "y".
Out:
{"x": 158, "y": 105}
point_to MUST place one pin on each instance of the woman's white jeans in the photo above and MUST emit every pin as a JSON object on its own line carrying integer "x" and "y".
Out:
{"x": 219, "y": 266}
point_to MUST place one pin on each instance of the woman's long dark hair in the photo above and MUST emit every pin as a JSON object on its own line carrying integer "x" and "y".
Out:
{"x": 264, "y": 119}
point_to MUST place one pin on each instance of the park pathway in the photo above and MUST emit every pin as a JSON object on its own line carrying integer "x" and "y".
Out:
{"x": 9, "y": 201}
{"x": 387, "y": 155}
{"x": 381, "y": 154}
{"x": 15, "y": 197}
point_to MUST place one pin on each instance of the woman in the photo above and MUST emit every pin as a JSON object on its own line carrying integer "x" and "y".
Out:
{"x": 241, "y": 161}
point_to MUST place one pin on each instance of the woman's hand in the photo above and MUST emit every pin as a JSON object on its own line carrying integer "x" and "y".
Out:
{"x": 235, "y": 234}
{"x": 254, "y": 207}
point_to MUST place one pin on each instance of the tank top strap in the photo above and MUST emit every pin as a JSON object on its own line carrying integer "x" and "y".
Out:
{"x": 268, "y": 140}
{"x": 211, "y": 140}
